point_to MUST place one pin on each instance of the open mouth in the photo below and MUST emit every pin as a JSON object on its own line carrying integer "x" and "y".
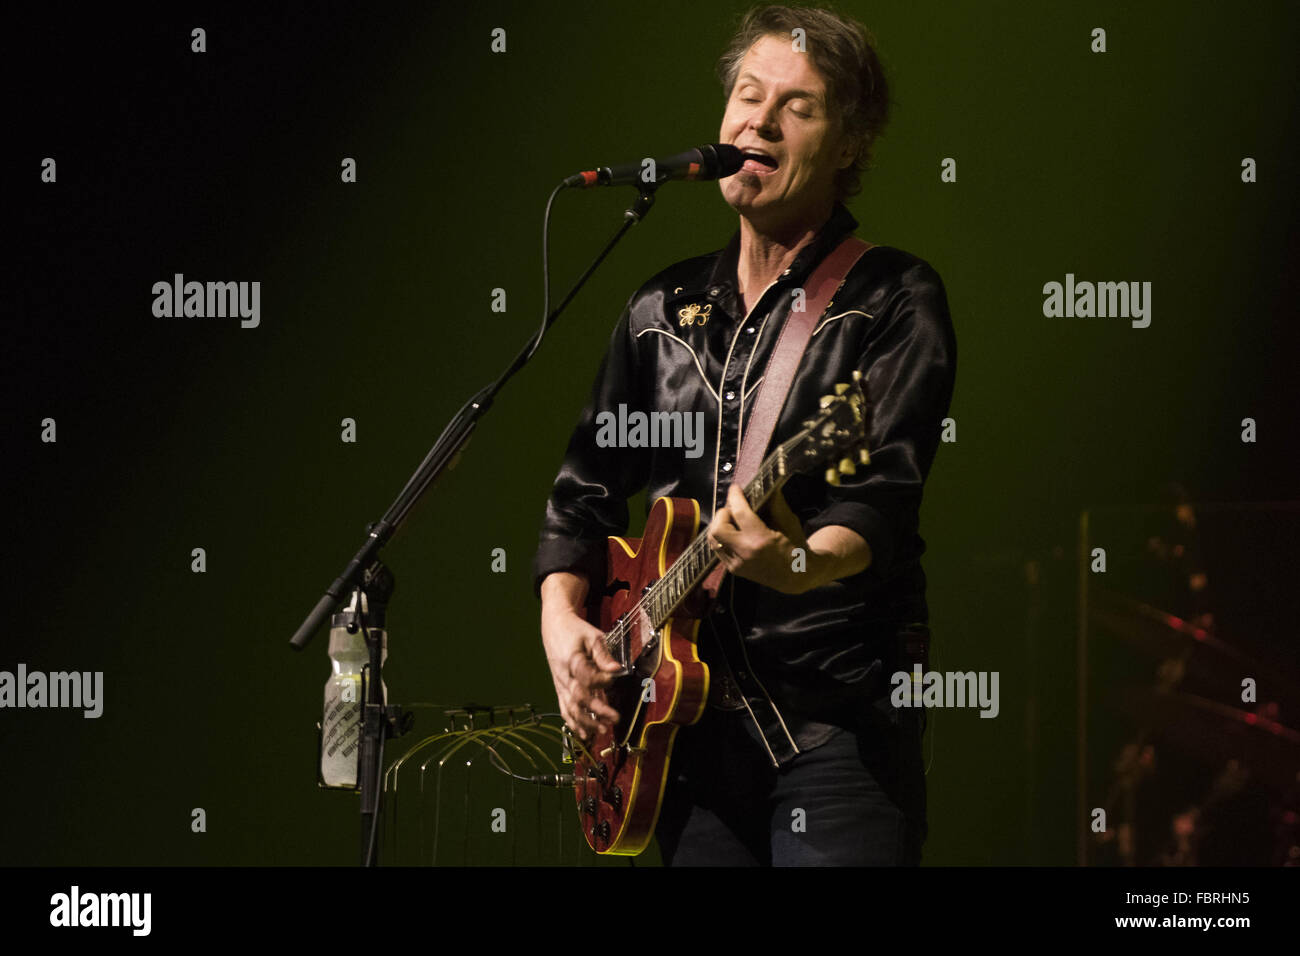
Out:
{"x": 758, "y": 162}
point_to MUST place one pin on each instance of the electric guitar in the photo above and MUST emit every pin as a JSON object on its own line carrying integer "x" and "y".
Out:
{"x": 650, "y": 610}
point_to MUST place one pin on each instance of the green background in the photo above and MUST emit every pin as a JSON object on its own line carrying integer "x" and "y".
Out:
{"x": 183, "y": 433}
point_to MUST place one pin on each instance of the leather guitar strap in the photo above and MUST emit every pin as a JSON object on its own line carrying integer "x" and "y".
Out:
{"x": 782, "y": 365}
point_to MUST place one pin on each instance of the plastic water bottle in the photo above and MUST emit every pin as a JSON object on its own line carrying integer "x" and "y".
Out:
{"x": 341, "y": 726}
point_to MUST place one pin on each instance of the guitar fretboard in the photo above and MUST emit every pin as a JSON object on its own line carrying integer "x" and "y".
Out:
{"x": 695, "y": 563}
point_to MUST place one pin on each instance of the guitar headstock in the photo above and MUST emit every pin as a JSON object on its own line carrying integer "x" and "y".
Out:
{"x": 835, "y": 438}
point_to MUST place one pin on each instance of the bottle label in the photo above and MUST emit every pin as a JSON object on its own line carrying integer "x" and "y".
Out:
{"x": 341, "y": 731}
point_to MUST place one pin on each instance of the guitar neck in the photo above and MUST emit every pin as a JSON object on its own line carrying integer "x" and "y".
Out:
{"x": 695, "y": 563}
{"x": 837, "y": 430}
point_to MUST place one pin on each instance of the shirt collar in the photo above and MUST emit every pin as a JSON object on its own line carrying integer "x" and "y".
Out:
{"x": 722, "y": 281}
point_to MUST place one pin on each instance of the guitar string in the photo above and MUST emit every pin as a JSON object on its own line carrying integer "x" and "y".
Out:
{"x": 776, "y": 459}
{"x": 633, "y": 613}
{"x": 771, "y": 469}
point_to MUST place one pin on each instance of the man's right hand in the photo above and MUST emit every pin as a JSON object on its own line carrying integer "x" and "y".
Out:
{"x": 581, "y": 667}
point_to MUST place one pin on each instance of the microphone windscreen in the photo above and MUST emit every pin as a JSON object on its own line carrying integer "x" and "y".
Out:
{"x": 729, "y": 159}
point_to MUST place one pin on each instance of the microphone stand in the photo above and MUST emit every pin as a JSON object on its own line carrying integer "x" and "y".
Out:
{"x": 367, "y": 573}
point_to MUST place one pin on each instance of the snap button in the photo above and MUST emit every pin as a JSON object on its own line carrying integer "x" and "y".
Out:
{"x": 729, "y": 395}
{"x": 726, "y": 466}
{"x": 751, "y": 330}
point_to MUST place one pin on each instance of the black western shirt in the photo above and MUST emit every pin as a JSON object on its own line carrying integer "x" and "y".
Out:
{"x": 685, "y": 343}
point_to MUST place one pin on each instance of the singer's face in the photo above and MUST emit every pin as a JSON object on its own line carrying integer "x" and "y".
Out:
{"x": 779, "y": 106}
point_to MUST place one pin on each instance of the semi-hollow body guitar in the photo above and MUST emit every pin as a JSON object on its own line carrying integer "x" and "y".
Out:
{"x": 650, "y": 611}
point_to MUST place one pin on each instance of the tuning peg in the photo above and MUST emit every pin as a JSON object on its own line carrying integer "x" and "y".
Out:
{"x": 825, "y": 400}
{"x": 842, "y": 387}
{"x": 857, "y": 375}
{"x": 809, "y": 422}
{"x": 864, "y": 456}
{"x": 847, "y": 467}
{"x": 832, "y": 477}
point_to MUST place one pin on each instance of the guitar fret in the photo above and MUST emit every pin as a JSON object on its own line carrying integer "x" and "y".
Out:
{"x": 698, "y": 559}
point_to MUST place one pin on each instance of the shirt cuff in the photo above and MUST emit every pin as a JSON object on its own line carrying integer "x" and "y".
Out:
{"x": 580, "y": 555}
{"x": 867, "y": 522}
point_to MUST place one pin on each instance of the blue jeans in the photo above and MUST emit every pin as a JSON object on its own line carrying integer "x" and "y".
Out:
{"x": 857, "y": 800}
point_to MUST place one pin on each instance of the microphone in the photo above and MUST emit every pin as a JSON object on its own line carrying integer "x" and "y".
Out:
{"x": 713, "y": 161}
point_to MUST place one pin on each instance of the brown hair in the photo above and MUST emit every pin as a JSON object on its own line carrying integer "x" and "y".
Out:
{"x": 843, "y": 51}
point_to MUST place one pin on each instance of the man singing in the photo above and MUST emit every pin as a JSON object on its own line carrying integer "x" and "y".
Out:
{"x": 799, "y": 758}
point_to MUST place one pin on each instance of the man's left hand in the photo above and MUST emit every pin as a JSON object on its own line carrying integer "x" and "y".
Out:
{"x": 751, "y": 549}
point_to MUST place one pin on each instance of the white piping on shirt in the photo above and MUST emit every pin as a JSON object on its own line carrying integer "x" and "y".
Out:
{"x": 717, "y": 450}
{"x": 731, "y": 594}
{"x": 831, "y": 318}
{"x": 699, "y": 368}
